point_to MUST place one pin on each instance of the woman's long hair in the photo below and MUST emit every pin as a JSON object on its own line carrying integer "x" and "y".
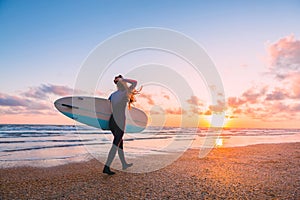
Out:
{"x": 131, "y": 96}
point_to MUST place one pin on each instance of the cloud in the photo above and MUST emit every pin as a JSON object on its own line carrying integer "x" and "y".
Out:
{"x": 253, "y": 94}
{"x": 278, "y": 107}
{"x": 35, "y": 105}
{"x": 279, "y": 111}
{"x": 276, "y": 94}
{"x": 166, "y": 97}
{"x": 275, "y": 102}
{"x": 11, "y": 110}
{"x": 34, "y": 100}
{"x": 195, "y": 105}
{"x": 196, "y": 110}
{"x": 295, "y": 108}
{"x": 148, "y": 97}
{"x": 42, "y": 91}
{"x": 287, "y": 89}
{"x": 175, "y": 111}
{"x": 219, "y": 107}
{"x": 195, "y": 101}
{"x": 284, "y": 56}
{"x": 237, "y": 111}
{"x": 208, "y": 112}
{"x": 294, "y": 85}
{"x": 8, "y": 100}
{"x": 235, "y": 102}
{"x": 274, "y": 105}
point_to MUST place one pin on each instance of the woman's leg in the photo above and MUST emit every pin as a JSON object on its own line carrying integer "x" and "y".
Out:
{"x": 121, "y": 153}
{"x": 125, "y": 165}
{"x": 118, "y": 134}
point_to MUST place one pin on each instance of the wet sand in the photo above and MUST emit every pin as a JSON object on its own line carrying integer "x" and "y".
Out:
{"x": 266, "y": 171}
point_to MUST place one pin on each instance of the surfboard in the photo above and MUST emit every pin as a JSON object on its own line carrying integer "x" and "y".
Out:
{"x": 96, "y": 112}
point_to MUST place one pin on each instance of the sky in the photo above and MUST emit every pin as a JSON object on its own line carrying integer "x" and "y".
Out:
{"x": 255, "y": 46}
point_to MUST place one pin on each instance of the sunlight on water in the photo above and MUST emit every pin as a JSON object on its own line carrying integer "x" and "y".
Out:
{"x": 219, "y": 142}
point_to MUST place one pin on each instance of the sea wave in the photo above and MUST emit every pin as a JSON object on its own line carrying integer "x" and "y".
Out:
{"x": 29, "y": 143}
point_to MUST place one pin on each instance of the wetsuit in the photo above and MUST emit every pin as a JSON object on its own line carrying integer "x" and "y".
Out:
{"x": 117, "y": 120}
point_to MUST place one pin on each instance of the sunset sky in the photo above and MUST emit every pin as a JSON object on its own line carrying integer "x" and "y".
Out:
{"x": 255, "y": 46}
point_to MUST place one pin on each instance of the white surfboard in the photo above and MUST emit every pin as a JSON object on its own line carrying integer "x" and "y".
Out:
{"x": 96, "y": 112}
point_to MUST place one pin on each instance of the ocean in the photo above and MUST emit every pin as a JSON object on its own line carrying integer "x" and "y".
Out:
{"x": 51, "y": 145}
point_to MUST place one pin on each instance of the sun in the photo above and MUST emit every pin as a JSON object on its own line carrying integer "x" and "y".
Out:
{"x": 219, "y": 142}
{"x": 219, "y": 121}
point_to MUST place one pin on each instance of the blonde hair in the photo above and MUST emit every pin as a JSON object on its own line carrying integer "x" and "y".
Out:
{"x": 131, "y": 96}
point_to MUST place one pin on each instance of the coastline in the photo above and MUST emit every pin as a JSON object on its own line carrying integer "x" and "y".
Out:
{"x": 262, "y": 171}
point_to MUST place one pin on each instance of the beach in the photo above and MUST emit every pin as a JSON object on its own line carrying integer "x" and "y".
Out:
{"x": 264, "y": 171}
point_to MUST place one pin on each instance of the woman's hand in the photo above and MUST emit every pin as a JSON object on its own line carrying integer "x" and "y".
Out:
{"x": 132, "y": 82}
{"x": 119, "y": 79}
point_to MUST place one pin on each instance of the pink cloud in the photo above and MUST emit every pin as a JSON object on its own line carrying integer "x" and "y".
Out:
{"x": 273, "y": 103}
{"x": 196, "y": 110}
{"x": 195, "y": 105}
{"x": 253, "y": 95}
{"x": 148, "y": 97}
{"x": 284, "y": 55}
{"x": 166, "y": 97}
{"x": 194, "y": 100}
{"x": 294, "y": 80}
{"x": 235, "y": 102}
{"x": 42, "y": 91}
{"x": 15, "y": 102}
{"x": 175, "y": 111}
{"x": 34, "y": 100}
{"x": 9, "y": 100}
{"x": 155, "y": 112}
{"x": 219, "y": 107}
{"x": 295, "y": 108}
{"x": 237, "y": 111}
{"x": 277, "y": 94}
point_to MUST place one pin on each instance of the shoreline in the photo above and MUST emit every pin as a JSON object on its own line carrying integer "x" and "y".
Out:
{"x": 261, "y": 171}
{"x": 88, "y": 157}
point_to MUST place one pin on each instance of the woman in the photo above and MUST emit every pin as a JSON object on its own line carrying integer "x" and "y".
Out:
{"x": 117, "y": 120}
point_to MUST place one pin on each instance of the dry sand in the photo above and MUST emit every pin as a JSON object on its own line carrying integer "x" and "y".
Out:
{"x": 268, "y": 171}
